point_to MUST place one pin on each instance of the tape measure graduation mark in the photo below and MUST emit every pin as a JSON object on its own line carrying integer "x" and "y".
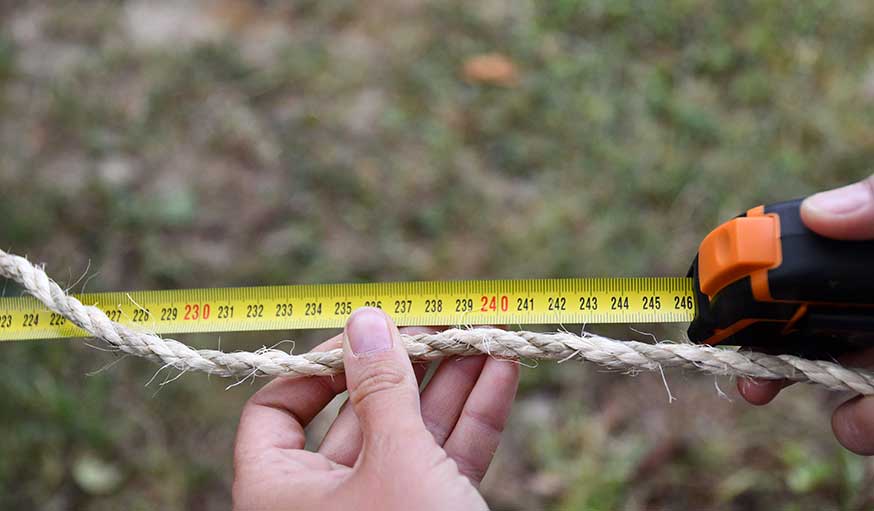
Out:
{"x": 512, "y": 302}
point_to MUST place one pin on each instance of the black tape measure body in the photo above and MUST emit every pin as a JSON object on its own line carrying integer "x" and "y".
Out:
{"x": 817, "y": 300}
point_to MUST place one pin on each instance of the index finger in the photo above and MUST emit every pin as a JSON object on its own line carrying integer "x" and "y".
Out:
{"x": 276, "y": 415}
{"x": 758, "y": 391}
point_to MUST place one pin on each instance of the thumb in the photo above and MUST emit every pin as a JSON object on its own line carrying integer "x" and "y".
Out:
{"x": 845, "y": 213}
{"x": 382, "y": 386}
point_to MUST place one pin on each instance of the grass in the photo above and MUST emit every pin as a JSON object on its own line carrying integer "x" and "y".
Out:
{"x": 325, "y": 141}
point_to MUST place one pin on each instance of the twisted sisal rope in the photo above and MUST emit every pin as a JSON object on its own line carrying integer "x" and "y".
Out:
{"x": 609, "y": 353}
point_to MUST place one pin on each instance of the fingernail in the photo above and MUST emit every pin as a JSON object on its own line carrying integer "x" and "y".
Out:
{"x": 368, "y": 332}
{"x": 840, "y": 201}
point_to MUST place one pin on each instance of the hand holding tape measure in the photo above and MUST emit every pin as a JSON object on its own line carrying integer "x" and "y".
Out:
{"x": 843, "y": 220}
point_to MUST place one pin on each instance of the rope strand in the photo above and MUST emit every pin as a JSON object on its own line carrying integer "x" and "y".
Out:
{"x": 609, "y": 353}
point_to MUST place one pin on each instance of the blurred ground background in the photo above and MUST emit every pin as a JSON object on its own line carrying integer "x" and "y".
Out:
{"x": 183, "y": 144}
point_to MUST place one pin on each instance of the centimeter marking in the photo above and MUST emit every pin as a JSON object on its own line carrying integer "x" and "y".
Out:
{"x": 476, "y": 302}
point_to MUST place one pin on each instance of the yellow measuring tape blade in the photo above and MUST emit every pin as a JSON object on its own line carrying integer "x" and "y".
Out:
{"x": 479, "y": 302}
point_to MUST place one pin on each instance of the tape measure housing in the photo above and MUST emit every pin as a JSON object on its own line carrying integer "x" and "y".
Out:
{"x": 293, "y": 307}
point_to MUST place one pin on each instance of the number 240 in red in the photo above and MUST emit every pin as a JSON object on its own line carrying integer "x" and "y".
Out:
{"x": 494, "y": 303}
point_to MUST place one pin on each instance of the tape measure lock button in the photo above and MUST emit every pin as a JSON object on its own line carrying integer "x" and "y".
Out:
{"x": 736, "y": 249}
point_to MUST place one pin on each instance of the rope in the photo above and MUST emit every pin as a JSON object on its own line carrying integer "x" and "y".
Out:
{"x": 628, "y": 356}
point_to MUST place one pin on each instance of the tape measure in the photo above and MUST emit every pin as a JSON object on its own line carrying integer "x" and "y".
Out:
{"x": 479, "y": 302}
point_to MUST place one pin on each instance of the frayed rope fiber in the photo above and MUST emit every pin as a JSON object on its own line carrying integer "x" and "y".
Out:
{"x": 628, "y": 356}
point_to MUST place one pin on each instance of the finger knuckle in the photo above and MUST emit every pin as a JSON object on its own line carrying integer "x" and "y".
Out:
{"x": 488, "y": 423}
{"x": 377, "y": 380}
